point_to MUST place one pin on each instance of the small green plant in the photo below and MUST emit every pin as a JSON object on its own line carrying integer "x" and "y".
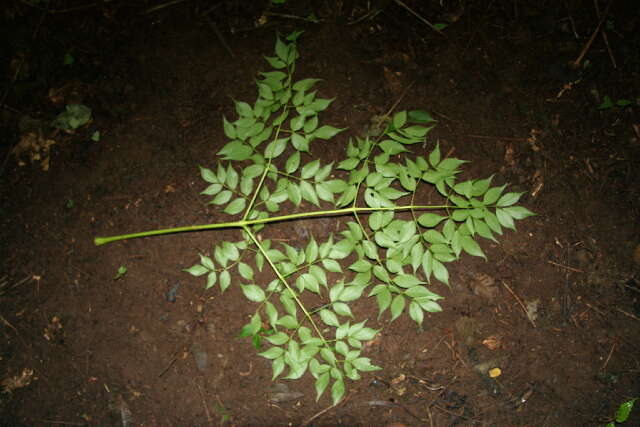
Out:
{"x": 608, "y": 104}
{"x": 74, "y": 116}
{"x": 623, "y": 413}
{"x": 122, "y": 270}
{"x": 390, "y": 246}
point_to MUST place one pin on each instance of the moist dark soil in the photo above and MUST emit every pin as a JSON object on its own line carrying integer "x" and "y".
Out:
{"x": 518, "y": 89}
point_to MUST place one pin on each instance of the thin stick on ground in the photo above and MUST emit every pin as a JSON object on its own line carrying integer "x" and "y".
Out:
{"x": 606, "y": 362}
{"x": 605, "y": 37}
{"x": 524, "y": 307}
{"x": 411, "y": 11}
{"x": 325, "y": 410}
{"x": 586, "y": 47}
{"x": 566, "y": 267}
{"x": 204, "y": 403}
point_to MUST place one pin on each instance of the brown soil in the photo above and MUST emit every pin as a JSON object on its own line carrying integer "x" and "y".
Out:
{"x": 91, "y": 347}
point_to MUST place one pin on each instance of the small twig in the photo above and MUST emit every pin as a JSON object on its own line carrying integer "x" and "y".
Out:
{"x": 395, "y": 104}
{"x": 498, "y": 138}
{"x": 586, "y": 47}
{"x": 248, "y": 371}
{"x": 606, "y": 362}
{"x": 605, "y": 37}
{"x": 161, "y": 6}
{"x": 634, "y": 317}
{"x": 400, "y": 3}
{"x": 594, "y": 309}
{"x": 565, "y": 267}
{"x": 220, "y": 37}
{"x": 288, "y": 16}
{"x": 204, "y": 403}
{"x": 325, "y": 410}
{"x": 456, "y": 355}
{"x": 6, "y": 322}
{"x": 433, "y": 401}
{"x": 454, "y": 414}
{"x": 67, "y": 423}
{"x": 164, "y": 371}
{"x": 524, "y": 307}
{"x": 571, "y": 21}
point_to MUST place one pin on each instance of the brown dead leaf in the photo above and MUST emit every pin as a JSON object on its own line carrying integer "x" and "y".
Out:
{"x": 35, "y": 147}
{"x": 53, "y": 328}
{"x": 393, "y": 83}
{"x": 509, "y": 154}
{"x": 12, "y": 383}
{"x": 493, "y": 342}
{"x": 484, "y": 285}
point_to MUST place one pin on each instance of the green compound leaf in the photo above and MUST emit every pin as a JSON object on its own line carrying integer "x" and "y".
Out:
{"x": 351, "y": 293}
{"x": 406, "y": 280}
{"x": 415, "y": 312}
{"x": 208, "y": 175}
{"x": 329, "y": 317}
{"x": 505, "y": 219}
{"x": 224, "y": 280}
{"x": 308, "y": 193}
{"x": 232, "y": 178}
{"x": 327, "y": 132}
{"x": 440, "y": 271}
{"x": 275, "y": 148}
{"x": 518, "y": 212}
{"x": 197, "y": 270}
{"x": 236, "y": 206}
{"x": 430, "y": 220}
{"x": 388, "y": 253}
{"x": 492, "y": 195}
{"x": 272, "y": 353}
{"x": 321, "y": 384}
{"x": 243, "y": 109}
{"x": 399, "y": 119}
{"x": 253, "y": 293}
{"x": 337, "y": 391}
{"x": 279, "y": 338}
{"x": 236, "y": 150}
{"x": 342, "y": 309}
{"x": 471, "y": 247}
{"x": 305, "y": 84}
{"x": 272, "y": 314}
{"x": 332, "y": 265}
{"x": 245, "y": 271}
{"x": 310, "y": 169}
{"x": 292, "y": 163}
{"x": 277, "y": 367}
{"x": 509, "y": 199}
{"x": 342, "y": 249}
{"x": 397, "y": 306}
{"x": 211, "y": 279}
{"x": 222, "y": 198}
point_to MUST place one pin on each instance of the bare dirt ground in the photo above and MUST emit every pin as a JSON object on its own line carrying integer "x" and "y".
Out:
{"x": 556, "y": 307}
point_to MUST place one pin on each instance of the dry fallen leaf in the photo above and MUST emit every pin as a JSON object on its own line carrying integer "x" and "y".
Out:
{"x": 24, "y": 379}
{"x": 484, "y": 285}
{"x": 492, "y": 343}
